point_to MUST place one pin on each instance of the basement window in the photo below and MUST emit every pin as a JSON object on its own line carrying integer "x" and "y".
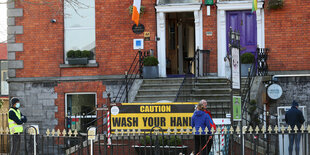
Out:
{"x": 80, "y": 111}
{"x": 79, "y": 21}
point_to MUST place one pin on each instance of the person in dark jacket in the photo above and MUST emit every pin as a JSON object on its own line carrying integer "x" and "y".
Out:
{"x": 15, "y": 120}
{"x": 201, "y": 120}
{"x": 294, "y": 117}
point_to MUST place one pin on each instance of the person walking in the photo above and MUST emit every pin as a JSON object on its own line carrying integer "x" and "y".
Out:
{"x": 201, "y": 120}
{"x": 294, "y": 117}
{"x": 209, "y": 145}
{"x": 15, "y": 120}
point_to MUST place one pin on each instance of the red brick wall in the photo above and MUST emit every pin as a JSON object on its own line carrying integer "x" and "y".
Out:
{"x": 210, "y": 42}
{"x": 287, "y": 36}
{"x": 73, "y": 87}
{"x": 115, "y": 37}
{"x": 44, "y": 41}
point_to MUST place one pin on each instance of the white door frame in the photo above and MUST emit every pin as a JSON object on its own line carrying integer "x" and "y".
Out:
{"x": 161, "y": 11}
{"x": 221, "y": 28}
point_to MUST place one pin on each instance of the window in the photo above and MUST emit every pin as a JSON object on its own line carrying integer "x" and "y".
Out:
{"x": 4, "y": 77}
{"x": 80, "y": 27}
{"x": 163, "y": 2}
{"x": 80, "y": 110}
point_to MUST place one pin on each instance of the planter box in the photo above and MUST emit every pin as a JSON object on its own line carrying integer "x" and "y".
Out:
{"x": 245, "y": 69}
{"x": 77, "y": 61}
{"x": 150, "y": 72}
{"x": 162, "y": 150}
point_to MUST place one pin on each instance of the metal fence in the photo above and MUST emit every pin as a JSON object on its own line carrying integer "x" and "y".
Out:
{"x": 226, "y": 140}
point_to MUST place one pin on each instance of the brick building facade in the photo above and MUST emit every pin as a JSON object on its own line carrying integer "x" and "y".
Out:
{"x": 40, "y": 75}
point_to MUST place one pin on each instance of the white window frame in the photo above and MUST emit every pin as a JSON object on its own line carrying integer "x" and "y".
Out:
{"x": 80, "y": 93}
{"x": 80, "y": 28}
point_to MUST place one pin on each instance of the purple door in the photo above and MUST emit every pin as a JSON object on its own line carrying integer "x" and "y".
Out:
{"x": 245, "y": 23}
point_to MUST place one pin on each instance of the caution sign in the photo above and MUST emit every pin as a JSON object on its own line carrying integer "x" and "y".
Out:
{"x": 144, "y": 116}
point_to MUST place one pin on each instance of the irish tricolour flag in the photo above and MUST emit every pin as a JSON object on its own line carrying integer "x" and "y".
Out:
{"x": 136, "y": 11}
{"x": 254, "y": 5}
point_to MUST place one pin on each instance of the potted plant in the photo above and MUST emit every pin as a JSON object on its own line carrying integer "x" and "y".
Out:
{"x": 167, "y": 144}
{"x": 247, "y": 59}
{"x": 150, "y": 68}
{"x": 78, "y": 57}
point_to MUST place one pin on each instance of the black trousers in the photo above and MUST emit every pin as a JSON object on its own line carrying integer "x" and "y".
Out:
{"x": 200, "y": 142}
{"x": 15, "y": 144}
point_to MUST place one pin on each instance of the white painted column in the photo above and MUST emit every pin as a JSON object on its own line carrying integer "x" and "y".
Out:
{"x": 259, "y": 28}
{"x": 221, "y": 42}
{"x": 161, "y": 44}
{"x": 198, "y": 39}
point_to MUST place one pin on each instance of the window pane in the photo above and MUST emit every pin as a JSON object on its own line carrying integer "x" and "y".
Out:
{"x": 80, "y": 16}
{"x": 4, "y": 77}
{"x": 82, "y": 103}
{"x": 79, "y": 39}
{"x": 81, "y": 111}
{"x": 162, "y": 2}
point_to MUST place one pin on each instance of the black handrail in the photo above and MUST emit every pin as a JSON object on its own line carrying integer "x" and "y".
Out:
{"x": 134, "y": 72}
{"x": 185, "y": 89}
{"x": 249, "y": 82}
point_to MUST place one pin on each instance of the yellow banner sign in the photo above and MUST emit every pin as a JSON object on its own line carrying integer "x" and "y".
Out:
{"x": 145, "y": 116}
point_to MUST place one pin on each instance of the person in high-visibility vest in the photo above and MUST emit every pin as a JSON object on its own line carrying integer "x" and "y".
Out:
{"x": 15, "y": 120}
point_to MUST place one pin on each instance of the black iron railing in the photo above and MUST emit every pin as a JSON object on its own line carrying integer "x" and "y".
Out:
{"x": 172, "y": 142}
{"x": 262, "y": 66}
{"x": 83, "y": 120}
{"x": 185, "y": 89}
{"x": 134, "y": 72}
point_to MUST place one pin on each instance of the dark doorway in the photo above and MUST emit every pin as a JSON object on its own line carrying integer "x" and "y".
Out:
{"x": 180, "y": 45}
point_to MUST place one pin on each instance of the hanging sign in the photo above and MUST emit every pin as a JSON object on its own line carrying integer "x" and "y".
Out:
{"x": 235, "y": 65}
{"x": 237, "y": 108}
{"x": 145, "y": 116}
{"x": 274, "y": 91}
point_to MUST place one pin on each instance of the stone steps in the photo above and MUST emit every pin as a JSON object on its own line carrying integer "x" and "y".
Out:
{"x": 154, "y": 90}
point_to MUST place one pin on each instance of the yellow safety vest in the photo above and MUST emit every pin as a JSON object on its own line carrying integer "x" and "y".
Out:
{"x": 14, "y": 127}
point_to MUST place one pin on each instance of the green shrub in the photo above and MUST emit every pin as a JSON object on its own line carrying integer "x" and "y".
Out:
{"x": 247, "y": 58}
{"x": 174, "y": 141}
{"x": 252, "y": 107}
{"x": 78, "y": 54}
{"x": 162, "y": 140}
{"x": 85, "y": 54}
{"x": 150, "y": 61}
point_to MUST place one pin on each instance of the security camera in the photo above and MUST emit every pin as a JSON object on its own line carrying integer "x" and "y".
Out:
{"x": 53, "y": 20}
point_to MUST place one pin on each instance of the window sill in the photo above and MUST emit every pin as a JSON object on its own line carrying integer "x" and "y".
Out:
{"x": 79, "y": 66}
